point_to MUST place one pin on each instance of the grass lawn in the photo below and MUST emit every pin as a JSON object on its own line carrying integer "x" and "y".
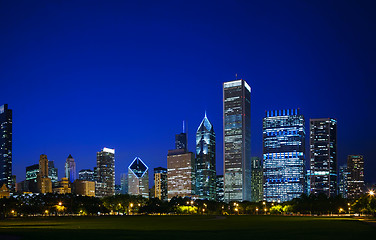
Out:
{"x": 186, "y": 227}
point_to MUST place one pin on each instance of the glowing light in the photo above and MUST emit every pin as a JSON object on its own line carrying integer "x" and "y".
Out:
{"x": 109, "y": 150}
{"x": 371, "y": 193}
{"x": 60, "y": 203}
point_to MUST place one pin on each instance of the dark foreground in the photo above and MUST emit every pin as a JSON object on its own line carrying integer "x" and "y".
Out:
{"x": 186, "y": 227}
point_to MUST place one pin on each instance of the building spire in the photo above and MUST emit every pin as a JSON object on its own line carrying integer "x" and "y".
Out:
{"x": 205, "y": 114}
{"x": 183, "y": 126}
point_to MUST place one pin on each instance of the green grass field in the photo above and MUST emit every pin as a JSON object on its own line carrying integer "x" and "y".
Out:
{"x": 186, "y": 227}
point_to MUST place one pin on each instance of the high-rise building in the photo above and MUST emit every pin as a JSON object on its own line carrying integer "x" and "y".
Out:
{"x": 284, "y": 155}
{"x": 124, "y": 183}
{"x": 323, "y": 153}
{"x": 70, "y": 169}
{"x": 355, "y": 176}
{"x": 31, "y": 178}
{"x": 106, "y": 171}
{"x": 160, "y": 183}
{"x": 257, "y": 179}
{"x": 237, "y": 140}
{"x": 180, "y": 173}
{"x": 181, "y": 141}
{"x": 219, "y": 189}
{"x": 43, "y": 181}
{"x": 342, "y": 181}
{"x": 86, "y": 175}
{"x": 205, "y": 161}
{"x": 138, "y": 178}
{"x": 52, "y": 172}
{"x": 308, "y": 182}
{"x": 6, "y": 146}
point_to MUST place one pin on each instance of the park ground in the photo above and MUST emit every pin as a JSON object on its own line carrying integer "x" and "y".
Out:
{"x": 186, "y": 227}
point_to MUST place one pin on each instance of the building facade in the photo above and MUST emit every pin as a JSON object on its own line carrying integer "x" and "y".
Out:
{"x": 86, "y": 175}
{"x": 284, "y": 155}
{"x": 6, "y": 146}
{"x": 220, "y": 189}
{"x": 237, "y": 140}
{"x": 84, "y": 188}
{"x": 342, "y": 181}
{"x": 323, "y": 156}
{"x": 124, "y": 183}
{"x": 138, "y": 178}
{"x": 43, "y": 181}
{"x": 70, "y": 169}
{"x": 105, "y": 172}
{"x": 355, "y": 176}
{"x": 52, "y": 172}
{"x": 180, "y": 173}
{"x": 205, "y": 161}
{"x": 257, "y": 180}
{"x": 160, "y": 183}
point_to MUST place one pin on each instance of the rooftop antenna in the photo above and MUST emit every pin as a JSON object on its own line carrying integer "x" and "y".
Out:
{"x": 183, "y": 126}
{"x": 236, "y": 76}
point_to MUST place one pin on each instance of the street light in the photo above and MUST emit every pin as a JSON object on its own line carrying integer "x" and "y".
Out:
{"x": 60, "y": 203}
{"x": 371, "y": 193}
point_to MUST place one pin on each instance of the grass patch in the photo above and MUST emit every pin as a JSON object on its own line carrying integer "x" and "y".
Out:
{"x": 186, "y": 227}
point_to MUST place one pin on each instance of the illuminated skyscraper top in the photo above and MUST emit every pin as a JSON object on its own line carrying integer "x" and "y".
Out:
{"x": 70, "y": 169}
{"x": 5, "y": 146}
{"x": 205, "y": 161}
{"x": 237, "y": 140}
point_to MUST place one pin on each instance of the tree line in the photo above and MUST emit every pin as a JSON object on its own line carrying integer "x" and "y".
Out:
{"x": 53, "y": 204}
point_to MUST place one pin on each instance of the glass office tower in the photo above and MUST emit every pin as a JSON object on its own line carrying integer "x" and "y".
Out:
{"x": 205, "y": 161}
{"x": 284, "y": 154}
{"x": 257, "y": 179}
{"x": 355, "y": 176}
{"x": 70, "y": 169}
{"x": 5, "y": 146}
{"x": 323, "y": 152}
{"x": 237, "y": 140}
{"x": 105, "y": 172}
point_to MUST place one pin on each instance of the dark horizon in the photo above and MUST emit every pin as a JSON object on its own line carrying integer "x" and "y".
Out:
{"x": 80, "y": 76}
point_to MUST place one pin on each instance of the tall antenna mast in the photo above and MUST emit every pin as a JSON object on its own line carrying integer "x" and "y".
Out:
{"x": 183, "y": 127}
{"x": 236, "y": 76}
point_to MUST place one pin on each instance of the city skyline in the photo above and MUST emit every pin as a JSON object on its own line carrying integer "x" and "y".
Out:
{"x": 167, "y": 63}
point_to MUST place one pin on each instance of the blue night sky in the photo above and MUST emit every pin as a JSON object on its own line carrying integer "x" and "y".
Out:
{"x": 83, "y": 75}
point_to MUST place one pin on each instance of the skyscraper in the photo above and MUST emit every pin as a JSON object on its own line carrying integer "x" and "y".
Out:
{"x": 123, "y": 183}
{"x": 43, "y": 181}
{"x": 237, "y": 140}
{"x": 6, "y": 146}
{"x": 181, "y": 179}
{"x": 86, "y": 175}
{"x": 138, "y": 178}
{"x": 31, "y": 178}
{"x": 284, "y": 154}
{"x": 342, "y": 181}
{"x": 323, "y": 152}
{"x": 181, "y": 141}
{"x": 205, "y": 161}
{"x": 219, "y": 188}
{"x": 105, "y": 175}
{"x": 355, "y": 176}
{"x": 160, "y": 183}
{"x": 257, "y": 179}
{"x": 70, "y": 169}
{"x": 52, "y": 172}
